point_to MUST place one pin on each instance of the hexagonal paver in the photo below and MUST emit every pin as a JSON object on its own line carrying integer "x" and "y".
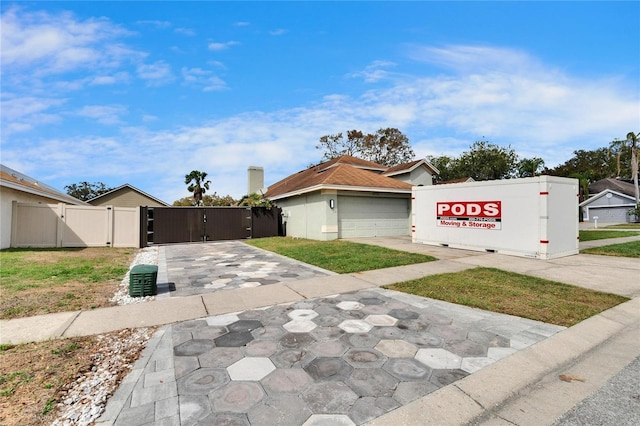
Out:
{"x": 424, "y": 340}
{"x": 368, "y": 408}
{"x": 466, "y": 348}
{"x": 329, "y": 398}
{"x": 202, "y": 381}
{"x": 193, "y": 347}
{"x": 403, "y": 314}
{"x": 328, "y": 369}
{"x": 332, "y": 348}
{"x": 410, "y": 391}
{"x": 184, "y": 365}
{"x": 449, "y": 332}
{"x": 361, "y": 340}
{"x": 438, "y": 358}
{"x": 372, "y": 382}
{"x": 295, "y": 340}
{"x": 222, "y": 319}
{"x": 290, "y": 358}
{"x": 210, "y": 332}
{"x": 244, "y": 325}
{"x": 388, "y": 333}
{"x": 220, "y": 357}
{"x": 299, "y": 326}
{"x": 234, "y": 339}
{"x": 278, "y": 410}
{"x": 261, "y": 348}
{"x": 407, "y": 369}
{"x": 268, "y": 332}
{"x": 237, "y": 397}
{"x": 499, "y": 353}
{"x": 381, "y": 320}
{"x": 327, "y": 333}
{"x": 189, "y": 325}
{"x": 350, "y": 306}
{"x": 396, "y": 348}
{"x": 365, "y": 358}
{"x": 290, "y": 380}
{"x": 250, "y": 368}
{"x": 302, "y": 314}
{"x": 355, "y": 326}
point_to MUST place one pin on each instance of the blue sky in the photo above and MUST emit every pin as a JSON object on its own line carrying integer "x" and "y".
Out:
{"x": 144, "y": 92}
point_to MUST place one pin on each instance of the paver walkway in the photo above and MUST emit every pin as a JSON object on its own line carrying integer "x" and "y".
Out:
{"x": 204, "y": 268}
{"x": 342, "y": 359}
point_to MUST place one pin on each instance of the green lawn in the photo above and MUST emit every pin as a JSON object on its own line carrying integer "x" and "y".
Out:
{"x": 630, "y": 249}
{"x": 339, "y": 256}
{"x": 515, "y": 294}
{"x": 590, "y": 235}
{"x": 635, "y": 225}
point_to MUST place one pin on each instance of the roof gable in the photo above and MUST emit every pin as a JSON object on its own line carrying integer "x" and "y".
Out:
{"x": 409, "y": 167}
{"x": 614, "y": 185}
{"x": 618, "y": 195}
{"x": 130, "y": 187}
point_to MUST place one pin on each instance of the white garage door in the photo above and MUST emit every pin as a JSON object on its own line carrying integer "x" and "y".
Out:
{"x": 373, "y": 217}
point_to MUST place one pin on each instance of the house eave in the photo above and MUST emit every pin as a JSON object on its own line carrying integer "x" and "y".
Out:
{"x": 41, "y": 193}
{"x": 340, "y": 188}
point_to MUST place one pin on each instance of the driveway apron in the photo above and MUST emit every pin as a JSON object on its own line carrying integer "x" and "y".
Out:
{"x": 344, "y": 359}
{"x": 209, "y": 267}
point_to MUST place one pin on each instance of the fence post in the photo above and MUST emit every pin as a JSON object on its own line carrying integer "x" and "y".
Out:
{"x": 60, "y": 224}
{"x": 109, "y": 226}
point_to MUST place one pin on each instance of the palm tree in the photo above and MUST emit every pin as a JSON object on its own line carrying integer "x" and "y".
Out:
{"x": 197, "y": 184}
{"x": 633, "y": 139}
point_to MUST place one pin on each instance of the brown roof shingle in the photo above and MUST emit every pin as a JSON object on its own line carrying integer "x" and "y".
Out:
{"x": 341, "y": 171}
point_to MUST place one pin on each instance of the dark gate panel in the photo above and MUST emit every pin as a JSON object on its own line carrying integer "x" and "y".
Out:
{"x": 227, "y": 223}
{"x": 164, "y": 225}
{"x": 177, "y": 225}
{"x": 265, "y": 222}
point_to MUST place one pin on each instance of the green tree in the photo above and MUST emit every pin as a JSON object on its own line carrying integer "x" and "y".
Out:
{"x": 197, "y": 184}
{"x": 487, "y": 161}
{"x": 214, "y": 200}
{"x": 86, "y": 191}
{"x": 388, "y": 147}
{"x": 529, "y": 167}
{"x": 255, "y": 200}
{"x": 449, "y": 167}
{"x": 591, "y": 165}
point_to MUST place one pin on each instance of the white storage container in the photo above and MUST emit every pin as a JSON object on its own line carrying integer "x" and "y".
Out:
{"x": 532, "y": 217}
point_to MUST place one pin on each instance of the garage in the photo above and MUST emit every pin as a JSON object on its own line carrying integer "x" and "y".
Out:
{"x": 373, "y": 216}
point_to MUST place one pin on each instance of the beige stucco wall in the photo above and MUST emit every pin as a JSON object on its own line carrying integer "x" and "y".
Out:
{"x": 7, "y": 196}
{"x": 310, "y": 216}
{"x": 125, "y": 197}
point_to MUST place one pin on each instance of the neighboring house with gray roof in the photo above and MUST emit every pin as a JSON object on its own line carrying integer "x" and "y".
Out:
{"x": 127, "y": 196}
{"x": 16, "y": 186}
{"x": 611, "y": 202}
{"x": 349, "y": 197}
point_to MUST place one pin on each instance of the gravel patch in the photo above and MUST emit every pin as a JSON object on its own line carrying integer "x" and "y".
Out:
{"x": 146, "y": 256}
{"x": 86, "y": 398}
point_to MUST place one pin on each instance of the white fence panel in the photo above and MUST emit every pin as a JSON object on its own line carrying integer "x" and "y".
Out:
{"x": 62, "y": 225}
{"x": 126, "y": 227}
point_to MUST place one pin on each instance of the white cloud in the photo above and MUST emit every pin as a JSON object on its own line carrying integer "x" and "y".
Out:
{"x": 185, "y": 31}
{"x": 203, "y": 78}
{"x": 156, "y": 74}
{"x": 278, "y": 32}
{"x": 216, "y": 46}
{"x": 103, "y": 114}
{"x": 156, "y": 24}
{"x": 374, "y": 72}
{"x": 242, "y": 24}
{"x": 55, "y": 43}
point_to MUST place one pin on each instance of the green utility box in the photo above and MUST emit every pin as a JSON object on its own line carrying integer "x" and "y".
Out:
{"x": 143, "y": 281}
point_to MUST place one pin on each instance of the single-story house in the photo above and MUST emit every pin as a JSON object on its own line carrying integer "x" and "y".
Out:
{"x": 16, "y": 186}
{"x": 127, "y": 196}
{"x": 349, "y": 197}
{"x": 611, "y": 203}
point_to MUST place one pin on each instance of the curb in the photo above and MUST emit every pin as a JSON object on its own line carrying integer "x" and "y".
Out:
{"x": 480, "y": 395}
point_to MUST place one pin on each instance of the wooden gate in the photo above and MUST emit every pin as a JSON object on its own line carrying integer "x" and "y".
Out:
{"x": 165, "y": 225}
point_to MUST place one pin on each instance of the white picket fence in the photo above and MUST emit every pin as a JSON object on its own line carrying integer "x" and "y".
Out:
{"x": 64, "y": 225}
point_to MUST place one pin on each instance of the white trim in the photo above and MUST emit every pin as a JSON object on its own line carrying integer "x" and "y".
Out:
{"x": 424, "y": 162}
{"x": 603, "y": 193}
{"x": 341, "y": 188}
{"x": 41, "y": 193}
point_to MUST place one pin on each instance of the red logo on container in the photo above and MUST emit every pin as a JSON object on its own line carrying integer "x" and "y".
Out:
{"x": 474, "y": 210}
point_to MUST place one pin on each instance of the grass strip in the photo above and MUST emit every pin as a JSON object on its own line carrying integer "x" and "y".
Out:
{"x": 630, "y": 249}
{"x": 339, "y": 256}
{"x": 590, "y": 235}
{"x": 514, "y": 294}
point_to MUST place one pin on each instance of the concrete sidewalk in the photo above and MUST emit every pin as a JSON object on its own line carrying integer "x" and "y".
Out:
{"x": 521, "y": 389}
